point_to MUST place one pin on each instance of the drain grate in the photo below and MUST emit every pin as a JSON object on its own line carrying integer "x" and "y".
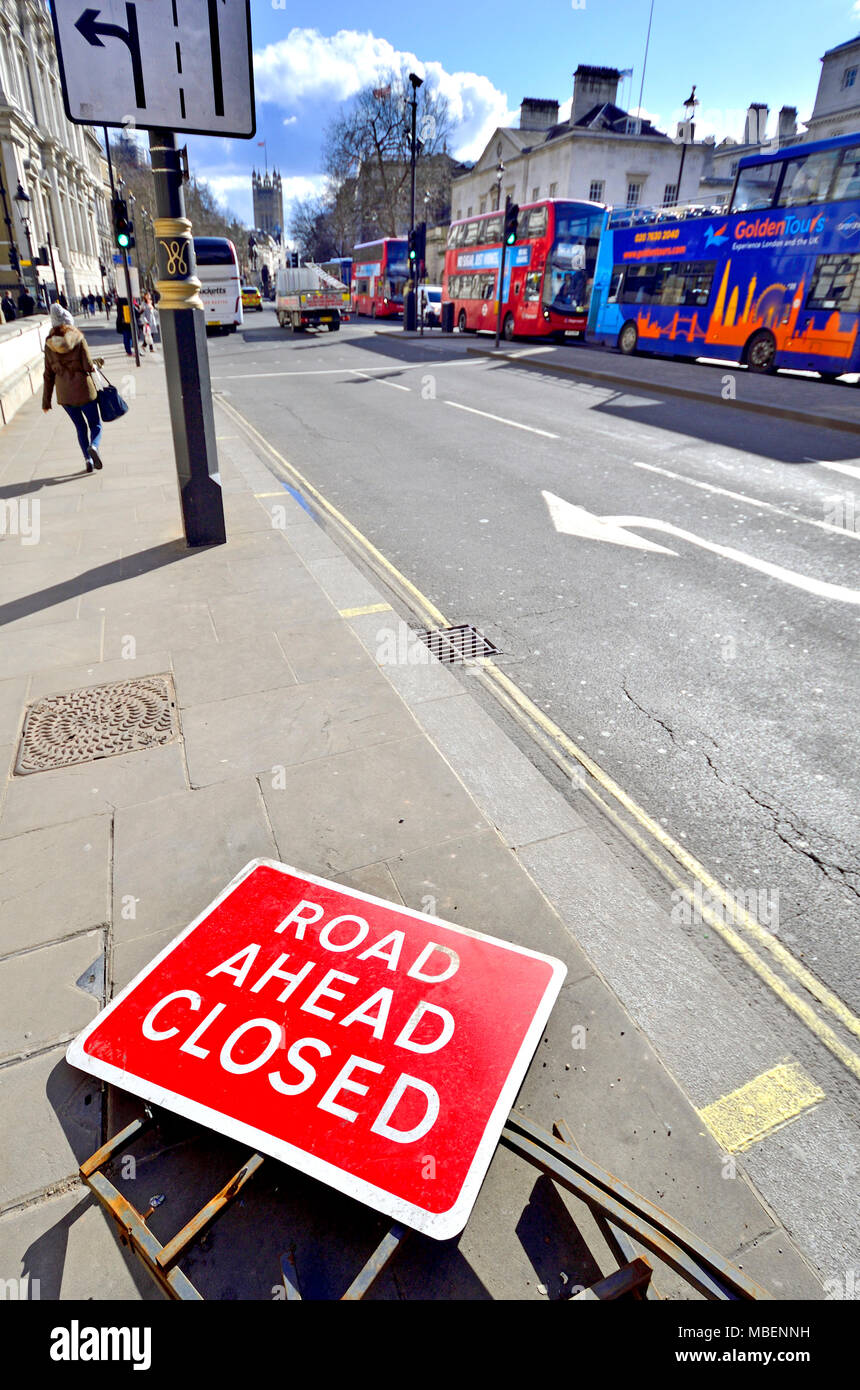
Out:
{"x": 79, "y": 726}
{"x": 463, "y": 643}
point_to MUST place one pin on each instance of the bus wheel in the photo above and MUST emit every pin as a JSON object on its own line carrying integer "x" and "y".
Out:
{"x": 628, "y": 338}
{"x": 461, "y": 321}
{"x": 829, "y": 377}
{"x": 333, "y": 327}
{"x": 760, "y": 351}
{"x": 508, "y": 328}
{"x": 373, "y": 311}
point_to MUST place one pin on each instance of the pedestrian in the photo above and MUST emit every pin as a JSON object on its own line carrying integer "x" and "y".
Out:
{"x": 26, "y": 305}
{"x": 7, "y": 304}
{"x": 148, "y": 320}
{"x": 123, "y": 324}
{"x": 68, "y": 364}
{"x": 100, "y": 303}
{"x": 62, "y": 301}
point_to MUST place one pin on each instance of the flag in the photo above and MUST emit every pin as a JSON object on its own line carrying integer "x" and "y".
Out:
{"x": 381, "y": 92}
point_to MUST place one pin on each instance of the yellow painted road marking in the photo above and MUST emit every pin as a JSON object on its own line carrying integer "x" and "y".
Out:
{"x": 280, "y": 493}
{"x": 368, "y": 608}
{"x": 570, "y": 758}
{"x": 752, "y": 1112}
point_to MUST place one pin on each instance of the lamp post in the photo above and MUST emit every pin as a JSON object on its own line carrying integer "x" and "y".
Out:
{"x": 10, "y": 231}
{"x": 500, "y": 174}
{"x": 690, "y": 108}
{"x": 23, "y": 201}
{"x": 409, "y": 307}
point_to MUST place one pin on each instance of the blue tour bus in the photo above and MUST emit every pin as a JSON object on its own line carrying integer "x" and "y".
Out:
{"x": 771, "y": 281}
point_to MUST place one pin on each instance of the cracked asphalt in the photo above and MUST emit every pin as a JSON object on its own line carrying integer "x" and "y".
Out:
{"x": 722, "y": 699}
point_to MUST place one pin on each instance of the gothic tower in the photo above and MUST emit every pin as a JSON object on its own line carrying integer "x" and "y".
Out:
{"x": 268, "y": 202}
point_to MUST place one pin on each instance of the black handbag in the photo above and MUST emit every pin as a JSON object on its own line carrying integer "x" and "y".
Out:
{"x": 111, "y": 403}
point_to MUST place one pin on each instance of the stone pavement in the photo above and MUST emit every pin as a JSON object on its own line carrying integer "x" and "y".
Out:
{"x": 294, "y": 742}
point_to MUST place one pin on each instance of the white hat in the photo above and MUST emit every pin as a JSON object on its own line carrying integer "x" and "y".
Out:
{"x": 61, "y": 317}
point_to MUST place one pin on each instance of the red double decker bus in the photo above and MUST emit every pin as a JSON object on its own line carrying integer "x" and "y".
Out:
{"x": 548, "y": 270}
{"x": 378, "y": 277}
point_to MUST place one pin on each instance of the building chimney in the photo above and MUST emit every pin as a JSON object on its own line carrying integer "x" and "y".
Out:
{"x": 755, "y": 127}
{"x": 592, "y": 87}
{"x": 787, "y": 122}
{"x": 538, "y": 115}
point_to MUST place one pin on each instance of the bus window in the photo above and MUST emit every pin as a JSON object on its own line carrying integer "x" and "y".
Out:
{"x": 492, "y": 229}
{"x": 847, "y": 182}
{"x": 756, "y": 187}
{"x": 808, "y": 178}
{"x": 472, "y": 236}
{"x": 615, "y": 284}
{"x": 532, "y": 222}
{"x": 836, "y": 284}
{"x": 532, "y": 290}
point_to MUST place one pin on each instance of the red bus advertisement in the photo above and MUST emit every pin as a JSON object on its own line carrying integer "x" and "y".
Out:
{"x": 379, "y": 277}
{"x": 548, "y": 270}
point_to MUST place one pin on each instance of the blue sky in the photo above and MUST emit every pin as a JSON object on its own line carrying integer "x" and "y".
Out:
{"x": 487, "y": 58}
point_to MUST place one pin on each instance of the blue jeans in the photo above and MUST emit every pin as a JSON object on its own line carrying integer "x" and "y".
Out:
{"x": 88, "y": 423}
{"x": 126, "y": 340}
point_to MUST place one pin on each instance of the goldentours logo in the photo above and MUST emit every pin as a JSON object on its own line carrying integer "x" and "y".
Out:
{"x": 76, "y": 1343}
{"x": 850, "y": 225}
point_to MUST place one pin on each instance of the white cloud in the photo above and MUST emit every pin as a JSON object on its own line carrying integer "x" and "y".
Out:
{"x": 310, "y": 66}
{"x": 290, "y": 120}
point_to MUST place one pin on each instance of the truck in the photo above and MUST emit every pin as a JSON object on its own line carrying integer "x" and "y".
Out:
{"x": 307, "y": 297}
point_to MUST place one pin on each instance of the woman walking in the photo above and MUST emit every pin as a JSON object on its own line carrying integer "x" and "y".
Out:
{"x": 148, "y": 321}
{"x": 68, "y": 364}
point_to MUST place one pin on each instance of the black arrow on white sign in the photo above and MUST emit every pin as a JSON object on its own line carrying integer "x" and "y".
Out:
{"x": 90, "y": 30}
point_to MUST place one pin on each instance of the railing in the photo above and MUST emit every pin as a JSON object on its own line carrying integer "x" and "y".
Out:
{"x": 676, "y": 212}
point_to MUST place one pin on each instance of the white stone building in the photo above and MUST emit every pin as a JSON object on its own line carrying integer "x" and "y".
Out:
{"x": 601, "y": 154}
{"x": 60, "y": 166}
{"x": 837, "y": 101}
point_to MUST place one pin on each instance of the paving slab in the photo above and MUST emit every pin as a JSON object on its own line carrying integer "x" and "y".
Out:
{"x": 98, "y": 673}
{"x": 43, "y": 1004}
{"x": 224, "y": 670}
{"x": 54, "y": 883}
{"x": 55, "y": 1115}
{"x": 278, "y": 728}
{"x": 174, "y": 855}
{"x": 13, "y": 693}
{"x": 28, "y": 649}
{"x": 342, "y": 813}
{"x": 414, "y": 681}
{"x": 86, "y": 789}
{"x": 65, "y": 1249}
{"x": 190, "y": 624}
{"x": 235, "y": 616}
{"x": 318, "y": 650}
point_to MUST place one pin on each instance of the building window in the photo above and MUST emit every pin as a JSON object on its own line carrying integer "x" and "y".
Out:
{"x": 670, "y": 195}
{"x": 535, "y": 194}
{"x": 483, "y": 207}
{"x": 849, "y": 77}
{"x": 469, "y": 210}
{"x": 553, "y": 189}
{"x": 595, "y": 191}
{"x": 634, "y": 193}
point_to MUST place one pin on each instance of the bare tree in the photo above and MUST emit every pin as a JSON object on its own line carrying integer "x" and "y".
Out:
{"x": 366, "y": 152}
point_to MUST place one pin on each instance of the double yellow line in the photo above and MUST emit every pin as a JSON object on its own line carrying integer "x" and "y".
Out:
{"x": 644, "y": 832}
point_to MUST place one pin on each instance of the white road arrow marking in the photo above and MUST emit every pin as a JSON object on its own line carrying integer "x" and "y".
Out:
{"x": 851, "y": 469}
{"x": 576, "y": 521}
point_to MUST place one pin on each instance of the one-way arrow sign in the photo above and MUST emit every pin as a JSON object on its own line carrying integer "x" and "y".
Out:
{"x": 176, "y": 64}
{"x": 87, "y": 26}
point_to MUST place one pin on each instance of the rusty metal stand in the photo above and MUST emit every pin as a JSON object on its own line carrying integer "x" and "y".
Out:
{"x": 620, "y": 1214}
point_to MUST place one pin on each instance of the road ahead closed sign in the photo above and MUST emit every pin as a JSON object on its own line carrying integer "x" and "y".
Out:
{"x": 372, "y": 1047}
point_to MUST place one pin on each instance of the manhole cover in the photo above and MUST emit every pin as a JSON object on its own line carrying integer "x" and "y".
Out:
{"x": 463, "y": 643}
{"x": 80, "y": 726}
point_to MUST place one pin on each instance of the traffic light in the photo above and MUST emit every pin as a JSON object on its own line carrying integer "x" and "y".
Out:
{"x": 14, "y": 262}
{"x": 122, "y": 225}
{"x": 512, "y": 212}
{"x": 43, "y": 256}
{"x": 412, "y": 247}
{"x": 420, "y": 247}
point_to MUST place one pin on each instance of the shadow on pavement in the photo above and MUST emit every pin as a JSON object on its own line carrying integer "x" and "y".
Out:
{"x": 110, "y": 573}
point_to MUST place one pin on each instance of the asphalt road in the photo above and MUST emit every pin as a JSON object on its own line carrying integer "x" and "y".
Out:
{"x": 721, "y": 697}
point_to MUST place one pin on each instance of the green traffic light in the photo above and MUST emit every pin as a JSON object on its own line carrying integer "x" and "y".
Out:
{"x": 123, "y": 239}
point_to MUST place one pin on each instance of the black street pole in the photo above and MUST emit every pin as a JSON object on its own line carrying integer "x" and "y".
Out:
{"x": 53, "y": 262}
{"x": 501, "y": 284}
{"x": 410, "y": 308}
{"x": 9, "y": 228}
{"x": 130, "y": 307}
{"x": 186, "y": 358}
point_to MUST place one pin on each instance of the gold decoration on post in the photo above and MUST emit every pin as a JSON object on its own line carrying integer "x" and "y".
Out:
{"x": 174, "y": 237}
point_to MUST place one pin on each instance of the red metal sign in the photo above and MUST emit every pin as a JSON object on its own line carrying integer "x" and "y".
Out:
{"x": 370, "y": 1046}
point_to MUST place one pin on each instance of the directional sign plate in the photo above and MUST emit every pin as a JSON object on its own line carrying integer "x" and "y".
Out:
{"x": 178, "y": 64}
{"x": 368, "y": 1045}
